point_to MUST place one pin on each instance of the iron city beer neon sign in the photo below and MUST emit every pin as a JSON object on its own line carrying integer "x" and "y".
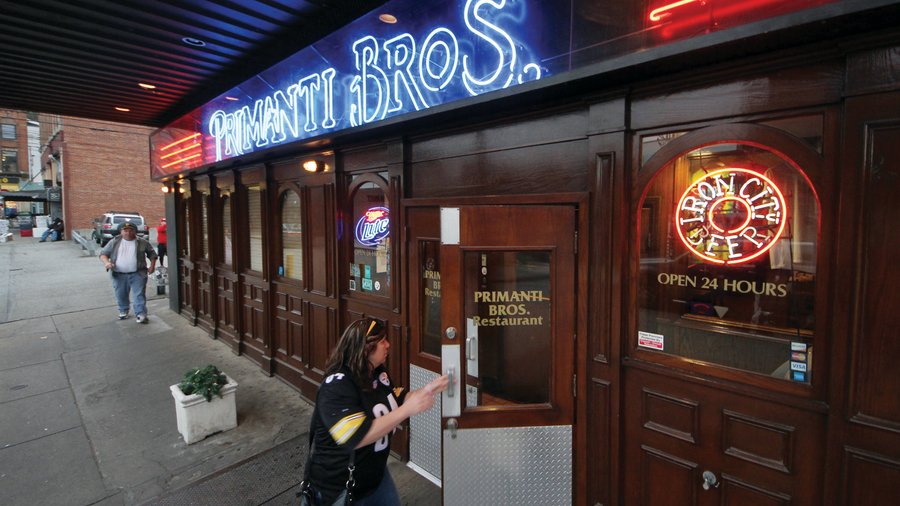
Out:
{"x": 730, "y": 216}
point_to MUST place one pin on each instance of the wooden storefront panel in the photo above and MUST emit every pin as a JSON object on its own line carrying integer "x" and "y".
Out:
{"x": 865, "y": 462}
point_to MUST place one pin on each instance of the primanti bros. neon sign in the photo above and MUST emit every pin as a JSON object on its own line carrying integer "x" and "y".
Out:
{"x": 354, "y": 78}
{"x": 730, "y": 216}
{"x": 439, "y": 52}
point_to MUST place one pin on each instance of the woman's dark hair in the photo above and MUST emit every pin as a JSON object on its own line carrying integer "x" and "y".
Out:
{"x": 352, "y": 350}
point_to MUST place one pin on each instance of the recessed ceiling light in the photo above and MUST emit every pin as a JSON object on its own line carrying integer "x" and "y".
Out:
{"x": 231, "y": 98}
{"x": 147, "y": 86}
{"x": 191, "y": 41}
{"x": 123, "y": 109}
{"x": 387, "y": 18}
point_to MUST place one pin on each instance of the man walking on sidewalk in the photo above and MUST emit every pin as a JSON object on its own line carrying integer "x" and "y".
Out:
{"x": 126, "y": 258}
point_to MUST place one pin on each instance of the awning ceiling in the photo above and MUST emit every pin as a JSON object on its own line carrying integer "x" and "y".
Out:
{"x": 86, "y": 58}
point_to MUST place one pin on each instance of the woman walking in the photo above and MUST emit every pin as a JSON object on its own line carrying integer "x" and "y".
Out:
{"x": 357, "y": 410}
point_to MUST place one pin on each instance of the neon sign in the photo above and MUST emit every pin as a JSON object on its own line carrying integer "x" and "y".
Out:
{"x": 373, "y": 227}
{"x": 730, "y": 216}
{"x": 676, "y": 18}
{"x": 392, "y": 74}
{"x": 439, "y": 52}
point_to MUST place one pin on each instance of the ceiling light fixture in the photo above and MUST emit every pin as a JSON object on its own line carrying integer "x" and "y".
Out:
{"x": 123, "y": 109}
{"x": 233, "y": 99}
{"x": 191, "y": 41}
{"x": 387, "y": 18}
{"x": 147, "y": 86}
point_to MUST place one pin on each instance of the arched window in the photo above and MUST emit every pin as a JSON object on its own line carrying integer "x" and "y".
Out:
{"x": 728, "y": 237}
{"x": 370, "y": 269}
{"x": 226, "y": 252}
{"x": 204, "y": 224}
{"x": 291, "y": 236}
{"x": 255, "y": 226}
{"x": 185, "y": 243}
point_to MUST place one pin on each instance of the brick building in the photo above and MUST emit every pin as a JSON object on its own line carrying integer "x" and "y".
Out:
{"x": 104, "y": 166}
{"x": 97, "y": 165}
{"x": 13, "y": 149}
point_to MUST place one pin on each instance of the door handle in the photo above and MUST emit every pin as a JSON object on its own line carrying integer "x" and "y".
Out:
{"x": 470, "y": 349}
{"x": 451, "y": 376}
{"x": 452, "y": 425}
{"x": 710, "y": 480}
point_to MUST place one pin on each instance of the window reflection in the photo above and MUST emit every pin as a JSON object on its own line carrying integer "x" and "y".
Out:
{"x": 291, "y": 237}
{"x": 186, "y": 206}
{"x": 226, "y": 231}
{"x": 204, "y": 225}
{"x": 508, "y": 339}
{"x": 255, "y": 226}
{"x": 430, "y": 296}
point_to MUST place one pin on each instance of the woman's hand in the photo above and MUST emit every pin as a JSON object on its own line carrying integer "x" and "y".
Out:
{"x": 414, "y": 403}
{"x": 422, "y": 399}
{"x": 438, "y": 385}
{"x": 417, "y": 401}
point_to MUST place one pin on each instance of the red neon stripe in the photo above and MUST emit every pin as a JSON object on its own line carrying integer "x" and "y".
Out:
{"x": 192, "y": 146}
{"x": 657, "y": 14}
{"x": 180, "y": 141}
{"x": 180, "y": 160}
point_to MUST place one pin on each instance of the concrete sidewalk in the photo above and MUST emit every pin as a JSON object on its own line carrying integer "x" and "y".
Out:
{"x": 86, "y": 416}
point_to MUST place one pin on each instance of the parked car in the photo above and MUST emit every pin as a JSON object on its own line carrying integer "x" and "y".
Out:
{"x": 107, "y": 226}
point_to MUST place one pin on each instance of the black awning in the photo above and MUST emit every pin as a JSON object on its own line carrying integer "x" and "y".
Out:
{"x": 25, "y": 196}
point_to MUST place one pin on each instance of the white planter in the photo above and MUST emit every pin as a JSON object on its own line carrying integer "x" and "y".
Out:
{"x": 198, "y": 418}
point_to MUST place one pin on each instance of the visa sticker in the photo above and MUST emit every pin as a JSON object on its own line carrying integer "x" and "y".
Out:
{"x": 798, "y": 366}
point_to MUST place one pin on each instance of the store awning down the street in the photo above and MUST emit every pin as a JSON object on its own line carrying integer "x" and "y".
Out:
{"x": 24, "y": 196}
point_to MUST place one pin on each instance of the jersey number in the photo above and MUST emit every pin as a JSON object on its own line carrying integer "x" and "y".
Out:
{"x": 380, "y": 410}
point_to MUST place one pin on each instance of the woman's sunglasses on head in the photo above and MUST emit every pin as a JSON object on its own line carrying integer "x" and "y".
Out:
{"x": 374, "y": 331}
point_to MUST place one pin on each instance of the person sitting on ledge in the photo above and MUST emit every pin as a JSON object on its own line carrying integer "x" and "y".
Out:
{"x": 54, "y": 231}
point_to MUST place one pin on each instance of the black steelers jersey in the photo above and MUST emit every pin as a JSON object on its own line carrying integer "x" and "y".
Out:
{"x": 344, "y": 416}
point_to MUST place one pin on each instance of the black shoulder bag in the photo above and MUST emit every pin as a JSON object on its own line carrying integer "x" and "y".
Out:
{"x": 306, "y": 493}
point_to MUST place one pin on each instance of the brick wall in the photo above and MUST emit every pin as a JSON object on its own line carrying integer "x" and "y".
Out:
{"x": 106, "y": 166}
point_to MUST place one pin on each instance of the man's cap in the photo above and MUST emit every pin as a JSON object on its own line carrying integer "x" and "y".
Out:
{"x": 128, "y": 224}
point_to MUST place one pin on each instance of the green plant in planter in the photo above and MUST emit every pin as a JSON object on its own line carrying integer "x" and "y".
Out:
{"x": 207, "y": 382}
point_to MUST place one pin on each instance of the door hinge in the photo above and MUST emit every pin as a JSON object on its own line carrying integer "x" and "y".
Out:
{"x": 574, "y": 385}
{"x": 576, "y": 240}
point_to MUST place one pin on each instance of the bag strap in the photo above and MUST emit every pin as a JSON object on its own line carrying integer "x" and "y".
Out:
{"x": 351, "y": 467}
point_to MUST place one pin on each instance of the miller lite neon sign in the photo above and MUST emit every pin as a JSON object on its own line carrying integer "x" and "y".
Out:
{"x": 730, "y": 216}
{"x": 373, "y": 227}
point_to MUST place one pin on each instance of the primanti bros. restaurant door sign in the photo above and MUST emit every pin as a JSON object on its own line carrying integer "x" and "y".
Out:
{"x": 730, "y": 286}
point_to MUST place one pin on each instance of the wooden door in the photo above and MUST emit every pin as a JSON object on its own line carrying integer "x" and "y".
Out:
{"x": 423, "y": 260}
{"x": 507, "y": 277}
{"x": 722, "y": 401}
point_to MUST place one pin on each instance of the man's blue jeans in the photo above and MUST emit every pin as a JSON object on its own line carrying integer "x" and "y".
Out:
{"x": 134, "y": 283}
{"x": 54, "y": 235}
